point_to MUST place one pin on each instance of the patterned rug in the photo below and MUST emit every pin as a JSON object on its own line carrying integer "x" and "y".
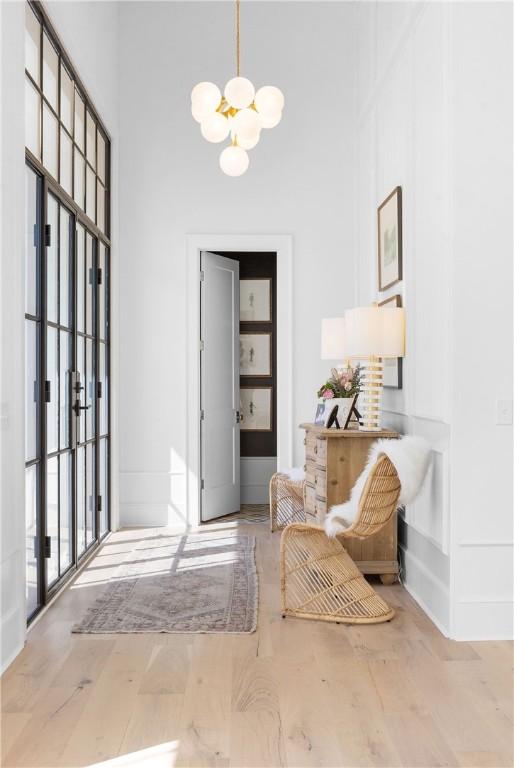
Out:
{"x": 249, "y": 513}
{"x": 197, "y": 582}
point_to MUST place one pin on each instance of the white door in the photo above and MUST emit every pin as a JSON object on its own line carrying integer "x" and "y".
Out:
{"x": 219, "y": 371}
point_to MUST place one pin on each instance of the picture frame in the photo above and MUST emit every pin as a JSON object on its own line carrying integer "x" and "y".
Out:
{"x": 336, "y": 411}
{"x": 255, "y": 354}
{"x": 255, "y": 304}
{"x": 393, "y": 366}
{"x": 389, "y": 231}
{"x": 256, "y": 409}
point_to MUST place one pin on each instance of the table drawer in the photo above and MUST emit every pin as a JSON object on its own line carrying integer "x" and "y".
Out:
{"x": 310, "y": 446}
{"x": 310, "y": 499}
{"x": 321, "y": 510}
{"x": 321, "y": 452}
{"x": 310, "y": 472}
{"x": 320, "y": 483}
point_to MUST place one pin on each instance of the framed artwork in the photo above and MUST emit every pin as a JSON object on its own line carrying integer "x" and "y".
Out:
{"x": 390, "y": 240}
{"x": 256, "y": 409}
{"x": 393, "y": 366}
{"x": 255, "y": 300}
{"x": 255, "y": 354}
{"x": 335, "y": 411}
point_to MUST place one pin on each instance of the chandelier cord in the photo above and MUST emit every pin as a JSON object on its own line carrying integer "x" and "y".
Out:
{"x": 238, "y": 35}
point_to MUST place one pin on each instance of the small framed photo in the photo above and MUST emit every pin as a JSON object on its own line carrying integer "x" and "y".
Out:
{"x": 255, "y": 354}
{"x": 336, "y": 411}
{"x": 256, "y": 409}
{"x": 393, "y": 366}
{"x": 255, "y": 300}
{"x": 390, "y": 240}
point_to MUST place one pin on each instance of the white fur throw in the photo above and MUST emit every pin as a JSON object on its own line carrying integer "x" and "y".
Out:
{"x": 295, "y": 473}
{"x": 411, "y": 458}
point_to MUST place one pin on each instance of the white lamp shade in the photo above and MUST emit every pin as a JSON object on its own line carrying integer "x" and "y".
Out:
{"x": 269, "y": 100}
{"x": 234, "y": 161}
{"x": 333, "y": 338}
{"x": 205, "y": 98}
{"x": 375, "y": 332}
{"x": 239, "y": 92}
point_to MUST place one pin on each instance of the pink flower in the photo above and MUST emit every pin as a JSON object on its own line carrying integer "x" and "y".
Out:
{"x": 327, "y": 394}
{"x": 348, "y": 386}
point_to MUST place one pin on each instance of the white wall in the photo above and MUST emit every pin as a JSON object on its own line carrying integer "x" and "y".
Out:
{"x": 81, "y": 26}
{"x": 434, "y": 115}
{"x": 299, "y": 183}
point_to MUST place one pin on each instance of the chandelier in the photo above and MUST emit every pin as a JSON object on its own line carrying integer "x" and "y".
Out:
{"x": 241, "y": 113}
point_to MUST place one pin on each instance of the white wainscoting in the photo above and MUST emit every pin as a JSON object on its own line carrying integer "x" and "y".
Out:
{"x": 256, "y": 472}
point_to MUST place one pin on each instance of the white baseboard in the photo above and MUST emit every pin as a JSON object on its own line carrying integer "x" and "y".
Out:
{"x": 150, "y": 515}
{"x": 483, "y": 620}
{"x": 427, "y": 590}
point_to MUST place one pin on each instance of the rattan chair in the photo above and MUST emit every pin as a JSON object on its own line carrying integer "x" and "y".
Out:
{"x": 286, "y": 501}
{"x": 319, "y": 580}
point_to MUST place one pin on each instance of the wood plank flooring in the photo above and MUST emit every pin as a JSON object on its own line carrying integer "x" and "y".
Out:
{"x": 294, "y": 693}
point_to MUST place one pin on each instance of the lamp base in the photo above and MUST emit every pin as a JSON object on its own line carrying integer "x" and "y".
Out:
{"x": 371, "y": 392}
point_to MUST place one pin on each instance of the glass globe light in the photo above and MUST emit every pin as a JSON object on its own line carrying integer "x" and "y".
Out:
{"x": 269, "y": 100}
{"x": 270, "y": 121}
{"x": 205, "y": 98}
{"x": 239, "y": 92}
{"x": 248, "y": 143}
{"x": 234, "y": 161}
{"x": 247, "y": 124}
{"x": 215, "y": 127}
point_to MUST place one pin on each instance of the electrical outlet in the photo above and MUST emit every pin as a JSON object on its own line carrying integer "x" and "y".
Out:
{"x": 504, "y": 411}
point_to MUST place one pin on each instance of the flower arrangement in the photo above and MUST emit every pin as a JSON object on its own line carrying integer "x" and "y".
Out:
{"x": 345, "y": 383}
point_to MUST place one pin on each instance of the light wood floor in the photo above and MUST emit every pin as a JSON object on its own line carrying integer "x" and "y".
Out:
{"x": 295, "y": 693}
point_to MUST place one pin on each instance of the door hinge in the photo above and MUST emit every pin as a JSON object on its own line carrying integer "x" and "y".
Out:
{"x": 99, "y": 275}
{"x": 99, "y": 503}
{"x": 202, "y": 345}
{"x": 48, "y": 546}
{"x": 99, "y": 389}
{"x": 202, "y": 414}
{"x": 48, "y": 234}
{"x": 202, "y": 275}
{"x": 90, "y": 276}
{"x": 48, "y": 392}
{"x": 202, "y": 484}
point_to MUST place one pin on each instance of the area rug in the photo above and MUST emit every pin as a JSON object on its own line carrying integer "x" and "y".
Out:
{"x": 196, "y": 582}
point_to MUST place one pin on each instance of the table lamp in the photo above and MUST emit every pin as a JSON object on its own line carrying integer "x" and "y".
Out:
{"x": 373, "y": 333}
{"x": 333, "y": 340}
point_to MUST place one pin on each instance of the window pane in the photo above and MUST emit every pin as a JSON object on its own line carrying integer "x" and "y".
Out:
{"x": 90, "y": 389}
{"x": 65, "y": 527}
{"x": 78, "y": 192}
{"x": 89, "y": 284}
{"x": 90, "y": 487}
{"x": 50, "y": 70}
{"x": 79, "y": 121}
{"x": 50, "y": 141}
{"x": 66, "y": 163}
{"x": 103, "y": 490}
{"x": 52, "y": 518}
{"x": 81, "y": 496}
{"x": 81, "y": 368}
{"x": 65, "y": 389}
{"x": 65, "y": 268}
{"x": 31, "y": 542}
{"x": 32, "y": 119}
{"x": 90, "y": 193}
{"x": 80, "y": 278}
{"x": 90, "y": 140}
{"x": 100, "y": 207}
{"x": 52, "y": 375}
{"x": 31, "y": 390}
{"x": 51, "y": 259}
{"x": 32, "y": 43}
{"x": 100, "y": 150}
{"x": 66, "y": 99}
{"x": 31, "y": 237}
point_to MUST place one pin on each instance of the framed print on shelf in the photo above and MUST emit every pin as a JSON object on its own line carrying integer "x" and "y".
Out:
{"x": 255, "y": 354}
{"x": 256, "y": 409}
{"x": 390, "y": 240}
{"x": 393, "y": 366}
{"x": 255, "y": 300}
{"x": 335, "y": 411}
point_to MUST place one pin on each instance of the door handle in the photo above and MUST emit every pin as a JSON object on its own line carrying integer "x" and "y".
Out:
{"x": 78, "y": 407}
{"x": 239, "y": 417}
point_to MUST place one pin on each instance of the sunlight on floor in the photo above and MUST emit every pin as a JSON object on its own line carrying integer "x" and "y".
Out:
{"x": 161, "y": 756}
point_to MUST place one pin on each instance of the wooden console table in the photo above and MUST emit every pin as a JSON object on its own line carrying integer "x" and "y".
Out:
{"x": 334, "y": 459}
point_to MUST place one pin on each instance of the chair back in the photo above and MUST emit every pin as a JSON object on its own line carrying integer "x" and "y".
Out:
{"x": 378, "y": 501}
